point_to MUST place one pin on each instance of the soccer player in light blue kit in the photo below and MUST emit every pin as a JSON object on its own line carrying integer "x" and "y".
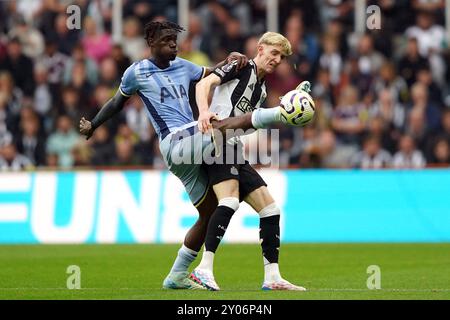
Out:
{"x": 162, "y": 83}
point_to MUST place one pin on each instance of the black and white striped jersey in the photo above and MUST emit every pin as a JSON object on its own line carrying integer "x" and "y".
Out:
{"x": 239, "y": 92}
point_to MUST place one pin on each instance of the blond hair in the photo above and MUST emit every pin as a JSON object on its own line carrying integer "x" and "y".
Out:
{"x": 276, "y": 39}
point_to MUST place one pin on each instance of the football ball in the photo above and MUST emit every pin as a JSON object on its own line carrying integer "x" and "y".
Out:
{"x": 297, "y": 108}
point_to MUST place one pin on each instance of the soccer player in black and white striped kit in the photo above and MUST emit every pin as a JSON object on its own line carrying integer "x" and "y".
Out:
{"x": 238, "y": 93}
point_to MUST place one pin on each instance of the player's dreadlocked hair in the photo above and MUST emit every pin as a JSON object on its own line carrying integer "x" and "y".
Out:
{"x": 152, "y": 28}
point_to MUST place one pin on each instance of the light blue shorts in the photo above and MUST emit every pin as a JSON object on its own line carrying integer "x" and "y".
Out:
{"x": 182, "y": 151}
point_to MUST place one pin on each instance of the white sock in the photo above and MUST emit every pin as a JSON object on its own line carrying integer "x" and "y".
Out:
{"x": 184, "y": 259}
{"x": 264, "y": 117}
{"x": 207, "y": 262}
{"x": 271, "y": 272}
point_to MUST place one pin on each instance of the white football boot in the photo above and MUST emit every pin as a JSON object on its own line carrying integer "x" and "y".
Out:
{"x": 205, "y": 278}
{"x": 281, "y": 285}
{"x": 181, "y": 280}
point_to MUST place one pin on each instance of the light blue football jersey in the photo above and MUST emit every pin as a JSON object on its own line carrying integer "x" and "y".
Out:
{"x": 164, "y": 92}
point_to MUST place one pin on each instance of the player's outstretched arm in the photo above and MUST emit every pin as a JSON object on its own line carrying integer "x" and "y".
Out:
{"x": 202, "y": 91}
{"x": 241, "y": 59}
{"x": 243, "y": 122}
{"x": 109, "y": 110}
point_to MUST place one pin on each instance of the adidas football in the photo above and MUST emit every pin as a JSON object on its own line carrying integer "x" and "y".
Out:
{"x": 297, "y": 108}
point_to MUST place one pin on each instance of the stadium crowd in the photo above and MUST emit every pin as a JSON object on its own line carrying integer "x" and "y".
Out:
{"x": 382, "y": 98}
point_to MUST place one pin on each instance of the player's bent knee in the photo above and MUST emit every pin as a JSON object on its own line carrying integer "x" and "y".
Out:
{"x": 230, "y": 202}
{"x": 227, "y": 188}
{"x": 269, "y": 211}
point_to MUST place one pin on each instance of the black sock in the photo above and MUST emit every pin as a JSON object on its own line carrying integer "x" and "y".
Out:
{"x": 270, "y": 235}
{"x": 217, "y": 226}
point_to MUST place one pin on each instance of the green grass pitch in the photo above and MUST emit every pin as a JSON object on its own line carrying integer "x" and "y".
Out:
{"x": 329, "y": 271}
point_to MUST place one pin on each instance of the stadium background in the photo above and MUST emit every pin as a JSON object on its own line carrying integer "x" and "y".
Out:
{"x": 382, "y": 97}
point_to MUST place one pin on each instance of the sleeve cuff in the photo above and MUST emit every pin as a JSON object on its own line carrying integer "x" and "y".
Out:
{"x": 203, "y": 73}
{"x": 124, "y": 94}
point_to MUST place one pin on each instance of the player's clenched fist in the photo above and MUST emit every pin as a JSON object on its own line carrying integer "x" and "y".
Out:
{"x": 204, "y": 119}
{"x": 86, "y": 128}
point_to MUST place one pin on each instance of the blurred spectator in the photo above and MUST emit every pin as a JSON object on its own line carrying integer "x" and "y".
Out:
{"x": 444, "y": 128}
{"x": 142, "y": 9}
{"x": 323, "y": 89}
{"x": 441, "y": 153}
{"x": 389, "y": 109}
{"x": 309, "y": 156}
{"x": 101, "y": 12}
{"x": 369, "y": 60}
{"x": 31, "y": 39}
{"x": 372, "y": 156}
{"x": 31, "y": 142}
{"x": 337, "y": 9}
{"x": 290, "y": 79}
{"x": 102, "y": 94}
{"x": 420, "y": 100}
{"x": 81, "y": 154}
{"x": 331, "y": 59}
{"x": 301, "y": 41}
{"x": 158, "y": 161}
{"x": 46, "y": 15}
{"x": 5, "y": 135}
{"x": 425, "y": 77}
{"x": 200, "y": 41}
{"x": 137, "y": 120}
{"x": 322, "y": 116}
{"x": 435, "y": 7}
{"x": 62, "y": 141}
{"x": 10, "y": 160}
{"x": 133, "y": 43}
{"x": 289, "y": 148}
{"x": 12, "y": 97}
{"x": 383, "y": 130}
{"x": 410, "y": 64}
{"x": 103, "y": 151}
{"x": 79, "y": 56}
{"x": 333, "y": 155}
{"x": 232, "y": 39}
{"x": 124, "y": 133}
{"x": 349, "y": 117}
{"x": 305, "y": 52}
{"x": 336, "y": 29}
{"x": 443, "y": 132}
{"x": 20, "y": 67}
{"x": 431, "y": 41}
{"x": 408, "y": 157}
{"x": 52, "y": 161}
{"x": 72, "y": 105}
{"x": 352, "y": 75}
{"x": 65, "y": 38}
{"x": 388, "y": 79}
{"x": 125, "y": 155}
{"x": 416, "y": 127}
{"x": 121, "y": 60}
{"x": 25, "y": 8}
{"x": 80, "y": 81}
{"x": 108, "y": 73}
{"x": 145, "y": 147}
{"x": 251, "y": 46}
{"x": 188, "y": 52}
{"x": 54, "y": 61}
{"x": 96, "y": 44}
{"x": 42, "y": 94}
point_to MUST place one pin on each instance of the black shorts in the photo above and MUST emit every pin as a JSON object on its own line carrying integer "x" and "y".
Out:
{"x": 249, "y": 179}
